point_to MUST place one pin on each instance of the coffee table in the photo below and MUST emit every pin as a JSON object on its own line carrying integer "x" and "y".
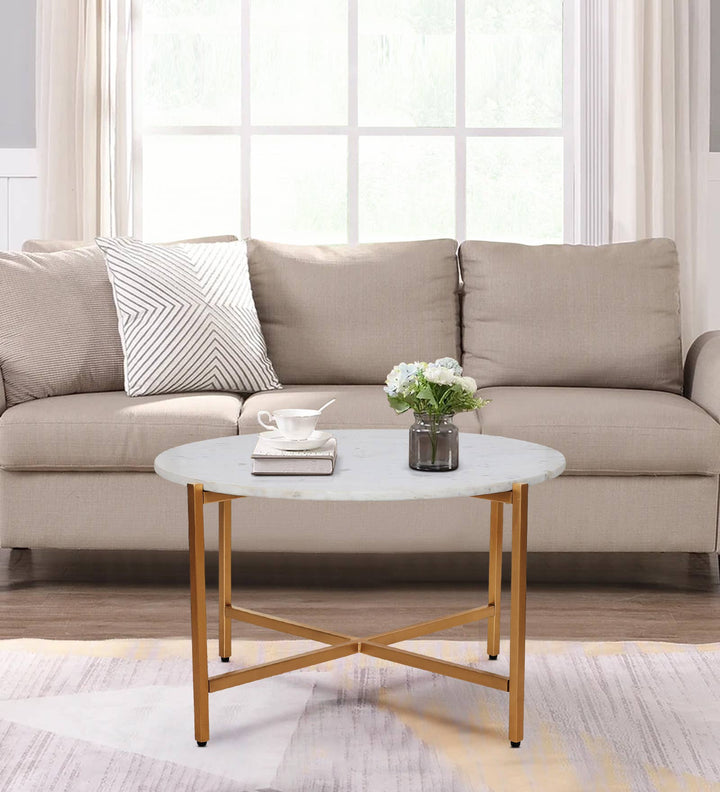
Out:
{"x": 371, "y": 466}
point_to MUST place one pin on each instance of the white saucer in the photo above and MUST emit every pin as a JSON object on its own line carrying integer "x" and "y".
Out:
{"x": 282, "y": 443}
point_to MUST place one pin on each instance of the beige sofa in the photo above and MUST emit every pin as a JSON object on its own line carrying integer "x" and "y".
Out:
{"x": 578, "y": 348}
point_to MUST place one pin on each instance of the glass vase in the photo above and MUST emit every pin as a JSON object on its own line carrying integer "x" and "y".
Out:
{"x": 433, "y": 443}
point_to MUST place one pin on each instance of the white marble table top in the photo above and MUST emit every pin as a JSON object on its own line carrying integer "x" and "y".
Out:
{"x": 371, "y": 465}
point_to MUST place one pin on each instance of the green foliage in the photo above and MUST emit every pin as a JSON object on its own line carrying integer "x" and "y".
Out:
{"x": 435, "y": 399}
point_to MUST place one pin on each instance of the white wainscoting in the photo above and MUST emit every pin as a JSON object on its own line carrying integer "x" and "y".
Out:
{"x": 19, "y": 198}
{"x": 4, "y": 219}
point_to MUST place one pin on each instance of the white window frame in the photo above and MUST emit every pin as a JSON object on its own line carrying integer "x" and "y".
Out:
{"x": 573, "y": 187}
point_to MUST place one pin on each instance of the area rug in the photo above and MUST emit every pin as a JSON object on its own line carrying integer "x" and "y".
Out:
{"x": 117, "y": 716}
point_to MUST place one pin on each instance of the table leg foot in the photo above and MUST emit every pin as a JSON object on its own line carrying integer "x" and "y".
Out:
{"x": 203, "y": 744}
{"x": 225, "y": 659}
{"x": 492, "y": 657}
{"x": 512, "y": 744}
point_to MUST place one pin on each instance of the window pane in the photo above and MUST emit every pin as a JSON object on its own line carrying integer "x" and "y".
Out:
{"x": 299, "y": 188}
{"x": 515, "y": 189}
{"x": 191, "y": 186}
{"x": 406, "y": 72}
{"x": 407, "y": 188}
{"x": 299, "y": 61}
{"x": 191, "y": 62}
{"x": 514, "y": 63}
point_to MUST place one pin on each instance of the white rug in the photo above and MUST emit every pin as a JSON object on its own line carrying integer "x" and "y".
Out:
{"x": 117, "y": 716}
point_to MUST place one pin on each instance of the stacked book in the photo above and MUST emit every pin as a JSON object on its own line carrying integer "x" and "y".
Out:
{"x": 270, "y": 461}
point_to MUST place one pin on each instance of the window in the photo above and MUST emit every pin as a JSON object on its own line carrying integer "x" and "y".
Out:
{"x": 352, "y": 120}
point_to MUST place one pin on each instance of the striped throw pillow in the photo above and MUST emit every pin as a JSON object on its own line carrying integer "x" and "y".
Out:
{"x": 187, "y": 318}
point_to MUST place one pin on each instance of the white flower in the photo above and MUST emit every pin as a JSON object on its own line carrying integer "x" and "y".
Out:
{"x": 467, "y": 383}
{"x": 401, "y": 378}
{"x": 439, "y": 374}
{"x": 450, "y": 363}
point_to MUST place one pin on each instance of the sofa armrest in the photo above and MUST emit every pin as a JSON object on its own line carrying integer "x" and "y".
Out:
{"x": 702, "y": 373}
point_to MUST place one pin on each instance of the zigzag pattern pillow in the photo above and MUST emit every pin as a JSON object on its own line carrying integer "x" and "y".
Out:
{"x": 187, "y": 318}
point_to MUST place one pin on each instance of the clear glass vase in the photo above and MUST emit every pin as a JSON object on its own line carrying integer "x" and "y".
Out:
{"x": 433, "y": 443}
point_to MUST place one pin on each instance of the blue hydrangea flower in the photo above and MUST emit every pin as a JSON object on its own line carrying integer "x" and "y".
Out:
{"x": 401, "y": 378}
{"x": 450, "y": 363}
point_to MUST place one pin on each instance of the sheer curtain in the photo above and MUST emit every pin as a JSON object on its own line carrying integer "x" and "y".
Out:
{"x": 660, "y": 54}
{"x": 84, "y": 119}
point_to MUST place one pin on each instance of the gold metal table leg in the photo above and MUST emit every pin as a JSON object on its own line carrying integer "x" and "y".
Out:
{"x": 518, "y": 590}
{"x": 495, "y": 578}
{"x": 341, "y": 645}
{"x": 198, "y": 613}
{"x": 225, "y": 579}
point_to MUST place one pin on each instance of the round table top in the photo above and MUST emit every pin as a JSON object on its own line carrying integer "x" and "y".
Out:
{"x": 371, "y": 465}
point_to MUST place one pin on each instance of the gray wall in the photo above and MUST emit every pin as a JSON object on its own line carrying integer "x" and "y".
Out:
{"x": 715, "y": 75}
{"x": 17, "y": 73}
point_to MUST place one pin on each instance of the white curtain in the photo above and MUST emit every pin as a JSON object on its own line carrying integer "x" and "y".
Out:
{"x": 84, "y": 121}
{"x": 660, "y": 54}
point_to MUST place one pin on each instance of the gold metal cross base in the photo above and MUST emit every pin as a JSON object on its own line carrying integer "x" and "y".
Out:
{"x": 341, "y": 645}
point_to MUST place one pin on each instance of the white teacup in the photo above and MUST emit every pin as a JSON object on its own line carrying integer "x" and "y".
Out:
{"x": 293, "y": 424}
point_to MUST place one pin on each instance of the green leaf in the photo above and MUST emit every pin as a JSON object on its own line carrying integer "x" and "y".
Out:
{"x": 398, "y": 404}
{"x": 426, "y": 394}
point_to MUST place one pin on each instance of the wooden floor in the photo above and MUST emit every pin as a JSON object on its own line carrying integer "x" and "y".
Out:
{"x": 100, "y": 594}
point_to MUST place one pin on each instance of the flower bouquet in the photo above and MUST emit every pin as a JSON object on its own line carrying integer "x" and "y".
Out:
{"x": 434, "y": 392}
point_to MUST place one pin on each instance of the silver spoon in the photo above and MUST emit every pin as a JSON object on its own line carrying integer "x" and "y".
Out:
{"x": 332, "y": 401}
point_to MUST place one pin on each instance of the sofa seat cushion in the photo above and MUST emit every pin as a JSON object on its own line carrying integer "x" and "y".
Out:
{"x": 110, "y": 431}
{"x": 609, "y": 431}
{"x": 357, "y": 407}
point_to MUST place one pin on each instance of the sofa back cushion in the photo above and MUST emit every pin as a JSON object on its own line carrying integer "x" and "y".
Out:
{"x": 58, "y": 325}
{"x": 55, "y": 245}
{"x": 58, "y": 322}
{"x": 347, "y": 314}
{"x": 572, "y": 315}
